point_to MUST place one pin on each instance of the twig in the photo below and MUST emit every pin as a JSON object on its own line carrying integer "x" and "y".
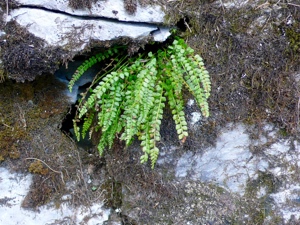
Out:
{"x": 7, "y": 7}
{"x": 81, "y": 174}
{"x": 186, "y": 24}
{"x": 6, "y": 11}
{"x": 55, "y": 171}
{"x": 291, "y": 4}
{"x": 298, "y": 108}
{"x": 263, "y": 5}
{"x": 8, "y": 126}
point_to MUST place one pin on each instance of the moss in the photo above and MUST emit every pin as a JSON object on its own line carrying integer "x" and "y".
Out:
{"x": 24, "y": 133}
{"x": 2, "y": 74}
{"x": 293, "y": 35}
{"x": 269, "y": 184}
{"x": 38, "y": 168}
{"x": 283, "y": 132}
{"x": 81, "y": 4}
{"x": 12, "y": 130}
{"x": 25, "y": 56}
{"x": 32, "y": 101}
{"x": 264, "y": 180}
{"x": 113, "y": 193}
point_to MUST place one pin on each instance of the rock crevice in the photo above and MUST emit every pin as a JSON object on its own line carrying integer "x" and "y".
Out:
{"x": 55, "y": 25}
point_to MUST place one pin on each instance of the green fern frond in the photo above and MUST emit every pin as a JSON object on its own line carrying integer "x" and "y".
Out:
{"x": 151, "y": 128}
{"x": 182, "y": 58}
{"x": 130, "y": 99}
{"x": 134, "y": 112}
{"x": 76, "y": 130}
{"x": 203, "y": 75}
{"x": 109, "y": 135}
{"x": 104, "y": 85}
{"x": 176, "y": 105}
{"x": 87, "y": 124}
{"x": 89, "y": 63}
{"x": 111, "y": 106}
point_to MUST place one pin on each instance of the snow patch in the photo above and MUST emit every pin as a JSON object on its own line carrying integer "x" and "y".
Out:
{"x": 64, "y": 28}
{"x": 287, "y": 201}
{"x": 191, "y": 102}
{"x": 229, "y": 164}
{"x": 14, "y": 188}
{"x": 113, "y": 9}
{"x": 196, "y": 117}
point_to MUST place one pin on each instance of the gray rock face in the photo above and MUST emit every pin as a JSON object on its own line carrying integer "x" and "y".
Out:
{"x": 58, "y": 25}
{"x": 55, "y": 32}
{"x": 241, "y": 166}
{"x": 115, "y": 9}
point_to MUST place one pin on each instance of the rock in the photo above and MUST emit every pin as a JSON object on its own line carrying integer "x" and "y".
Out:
{"x": 64, "y": 32}
{"x": 239, "y": 166}
{"x": 109, "y": 9}
{"x": 66, "y": 29}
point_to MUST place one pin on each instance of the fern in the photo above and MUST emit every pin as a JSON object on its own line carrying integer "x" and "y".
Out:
{"x": 89, "y": 63}
{"x": 130, "y": 99}
{"x": 87, "y": 124}
{"x": 136, "y": 110}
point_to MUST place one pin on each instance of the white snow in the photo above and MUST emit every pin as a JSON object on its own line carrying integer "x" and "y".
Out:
{"x": 287, "y": 200}
{"x": 191, "y": 102}
{"x": 229, "y": 164}
{"x": 196, "y": 117}
{"x": 63, "y": 28}
{"x": 14, "y": 188}
{"x": 110, "y": 9}
{"x": 58, "y": 29}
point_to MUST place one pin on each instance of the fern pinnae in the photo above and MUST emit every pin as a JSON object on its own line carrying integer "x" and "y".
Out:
{"x": 129, "y": 99}
{"x": 109, "y": 135}
{"x": 134, "y": 113}
{"x": 176, "y": 106}
{"x": 76, "y": 130}
{"x": 151, "y": 129}
{"x": 89, "y": 63}
{"x": 110, "y": 107}
{"x": 155, "y": 127}
{"x": 87, "y": 124}
{"x": 148, "y": 98}
{"x": 198, "y": 93}
{"x": 99, "y": 90}
{"x": 192, "y": 75}
{"x": 145, "y": 142}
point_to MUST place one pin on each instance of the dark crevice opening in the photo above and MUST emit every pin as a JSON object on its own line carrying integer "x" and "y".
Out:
{"x": 67, "y": 123}
{"x": 183, "y": 24}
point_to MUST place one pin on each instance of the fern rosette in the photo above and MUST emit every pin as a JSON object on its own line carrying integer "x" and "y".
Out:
{"x": 130, "y": 99}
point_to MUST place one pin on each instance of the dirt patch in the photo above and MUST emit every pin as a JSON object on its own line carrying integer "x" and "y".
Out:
{"x": 81, "y": 4}
{"x": 24, "y": 56}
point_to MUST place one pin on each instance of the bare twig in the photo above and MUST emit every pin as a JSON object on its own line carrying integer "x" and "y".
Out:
{"x": 291, "y": 4}
{"x": 8, "y": 126}
{"x": 7, "y": 7}
{"x": 22, "y": 117}
{"x": 6, "y": 11}
{"x": 186, "y": 24}
{"x": 55, "y": 171}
